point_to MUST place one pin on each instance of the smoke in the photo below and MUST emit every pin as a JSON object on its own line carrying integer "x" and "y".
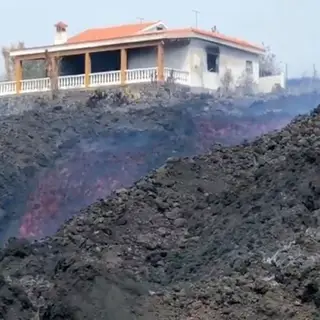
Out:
{"x": 98, "y": 166}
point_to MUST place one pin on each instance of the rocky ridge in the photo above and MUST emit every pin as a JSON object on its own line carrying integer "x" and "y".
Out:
{"x": 233, "y": 234}
{"x": 36, "y": 133}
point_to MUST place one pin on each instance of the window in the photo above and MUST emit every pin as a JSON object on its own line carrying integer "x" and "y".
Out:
{"x": 213, "y": 62}
{"x": 249, "y": 67}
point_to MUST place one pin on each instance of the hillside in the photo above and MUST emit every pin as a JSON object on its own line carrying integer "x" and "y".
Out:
{"x": 230, "y": 234}
{"x": 60, "y": 156}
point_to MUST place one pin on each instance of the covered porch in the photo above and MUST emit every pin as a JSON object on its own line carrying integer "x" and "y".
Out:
{"x": 96, "y": 67}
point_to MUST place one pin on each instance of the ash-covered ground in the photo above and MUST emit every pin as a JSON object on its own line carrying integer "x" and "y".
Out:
{"x": 231, "y": 234}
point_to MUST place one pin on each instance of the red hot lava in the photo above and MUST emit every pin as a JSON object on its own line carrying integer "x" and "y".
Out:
{"x": 72, "y": 186}
{"x": 76, "y": 184}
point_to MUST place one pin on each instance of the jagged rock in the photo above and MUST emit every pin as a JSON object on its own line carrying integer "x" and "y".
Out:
{"x": 229, "y": 234}
{"x": 180, "y": 222}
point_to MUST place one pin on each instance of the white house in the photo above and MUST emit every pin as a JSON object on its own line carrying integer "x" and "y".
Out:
{"x": 143, "y": 52}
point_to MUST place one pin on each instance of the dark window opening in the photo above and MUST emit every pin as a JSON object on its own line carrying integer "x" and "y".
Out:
{"x": 72, "y": 65}
{"x": 100, "y": 62}
{"x": 249, "y": 67}
{"x": 213, "y": 62}
{"x": 105, "y": 61}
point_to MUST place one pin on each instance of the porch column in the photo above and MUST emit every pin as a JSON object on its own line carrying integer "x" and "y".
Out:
{"x": 124, "y": 65}
{"x": 18, "y": 74}
{"x": 160, "y": 61}
{"x": 87, "y": 69}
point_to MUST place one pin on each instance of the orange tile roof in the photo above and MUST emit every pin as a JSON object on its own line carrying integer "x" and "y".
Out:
{"x": 100, "y": 34}
{"x": 220, "y": 36}
{"x": 132, "y": 30}
{"x": 187, "y": 32}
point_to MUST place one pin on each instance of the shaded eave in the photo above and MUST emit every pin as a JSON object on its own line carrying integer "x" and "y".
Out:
{"x": 134, "y": 40}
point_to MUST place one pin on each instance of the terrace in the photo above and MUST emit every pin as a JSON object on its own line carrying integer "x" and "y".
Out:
{"x": 96, "y": 80}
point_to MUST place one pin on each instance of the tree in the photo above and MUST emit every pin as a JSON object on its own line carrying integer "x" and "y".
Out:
{"x": 267, "y": 64}
{"x": 227, "y": 81}
{"x": 9, "y": 61}
{"x": 246, "y": 84}
{"x": 30, "y": 69}
{"x": 315, "y": 72}
{"x": 51, "y": 72}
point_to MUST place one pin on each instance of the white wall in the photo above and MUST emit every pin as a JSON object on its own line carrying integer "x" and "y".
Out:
{"x": 236, "y": 61}
{"x": 175, "y": 57}
{"x": 231, "y": 58}
{"x": 142, "y": 58}
{"x": 193, "y": 58}
{"x": 266, "y": 84}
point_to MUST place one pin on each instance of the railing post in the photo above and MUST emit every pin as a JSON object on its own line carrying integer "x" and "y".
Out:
{"x": 18, "y": 74}
{"x": 124, "y": 65}
{"x": 160, "y": 61}
{"x": 87, "y": 69}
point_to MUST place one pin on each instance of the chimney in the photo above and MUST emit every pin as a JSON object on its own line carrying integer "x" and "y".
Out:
{"x": 61, "y": 33}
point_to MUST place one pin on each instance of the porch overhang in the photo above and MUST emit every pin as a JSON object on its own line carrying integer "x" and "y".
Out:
{"x": 72, "y": 51}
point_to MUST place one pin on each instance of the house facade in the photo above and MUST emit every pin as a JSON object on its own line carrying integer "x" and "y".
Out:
{"x": 139, "y": 53}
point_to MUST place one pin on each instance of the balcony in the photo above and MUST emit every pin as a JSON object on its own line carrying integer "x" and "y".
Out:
{"x": 102, "y": 79}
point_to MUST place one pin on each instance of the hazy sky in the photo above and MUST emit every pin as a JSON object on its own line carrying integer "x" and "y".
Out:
{"x": 289, "y": 26}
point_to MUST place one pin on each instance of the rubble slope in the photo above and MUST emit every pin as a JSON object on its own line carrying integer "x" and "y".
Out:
{"x": 58, "y": 157}
{"x": 233, "y": 234}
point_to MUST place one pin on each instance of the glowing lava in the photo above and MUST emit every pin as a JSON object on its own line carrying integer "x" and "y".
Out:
{"x": 95, "y": 171}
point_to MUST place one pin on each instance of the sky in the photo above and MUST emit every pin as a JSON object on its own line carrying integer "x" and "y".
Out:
{"x": 289, "y": 27}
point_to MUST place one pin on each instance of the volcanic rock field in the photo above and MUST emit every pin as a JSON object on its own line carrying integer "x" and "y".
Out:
{"x": 172, "y": 206}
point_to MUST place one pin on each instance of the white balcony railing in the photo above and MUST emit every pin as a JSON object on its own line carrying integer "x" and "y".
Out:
{"x": 141, "y": 75}
{"x": 104, "y": 78}
{"x": 35, "y": 85}
{"x": 109, "y": 78}
{"x": 8, "y": 87}
{"x": 177, "y": 76}
{"x": 72, "y": 82}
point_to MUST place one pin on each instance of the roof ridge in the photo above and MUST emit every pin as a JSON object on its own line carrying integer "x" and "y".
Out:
{"x": 223, "y": 36}
{"x": 124, "y": 25}
{"x": 117, "y": 30}
{"x": 120, "y": 25}
{"x": 129, "y": 30}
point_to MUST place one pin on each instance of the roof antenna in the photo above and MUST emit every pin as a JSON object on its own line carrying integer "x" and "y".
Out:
{"x": 214, "y": 29}
{"x": 140, "y": 19}
{"x": 196, "y": 12}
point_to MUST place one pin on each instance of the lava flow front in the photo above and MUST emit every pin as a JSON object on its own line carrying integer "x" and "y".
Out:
{"x": 91, "y": 173}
